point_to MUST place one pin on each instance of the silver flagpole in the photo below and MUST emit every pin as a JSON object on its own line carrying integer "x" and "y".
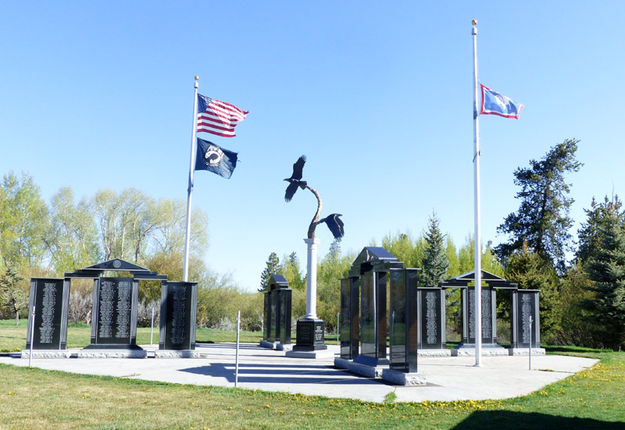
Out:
{"x": 187, "y": 237}
{"x": 476, "y": 174}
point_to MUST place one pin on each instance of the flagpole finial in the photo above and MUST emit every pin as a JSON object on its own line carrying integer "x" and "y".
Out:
{"x": 197, "y": 78}
{"x": 474, "y": 22}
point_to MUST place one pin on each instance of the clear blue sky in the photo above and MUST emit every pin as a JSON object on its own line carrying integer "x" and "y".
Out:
{"x": 378, "y": 95}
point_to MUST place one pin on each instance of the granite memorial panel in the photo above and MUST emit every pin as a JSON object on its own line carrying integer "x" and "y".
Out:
{"x": 114, "y": 312}
{"x": 404, "y": 323}
{"x": 267, "y": 317}
{"x": 284, "y": 298}
{"x": 373, "y": 316}
{"x": 525, "y": 304}
{"x": 50, "y": 297}
{"x": 431, "y": 306}
{"x": 349, "y": 318}
{"x": 489, "y": 315}
{"x": 178, "y": 315}
{"x": 273, "y": 316}
{"x": 368, "y": 326}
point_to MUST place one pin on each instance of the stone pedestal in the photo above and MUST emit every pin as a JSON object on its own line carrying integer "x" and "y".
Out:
{"x": 310, "y": 335}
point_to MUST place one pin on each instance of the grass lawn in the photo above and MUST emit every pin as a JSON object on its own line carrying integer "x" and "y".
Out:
{"x": 13, "y": 338}
{"x": 34, "y": 398}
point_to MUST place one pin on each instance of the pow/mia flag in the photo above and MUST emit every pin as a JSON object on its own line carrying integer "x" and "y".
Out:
{"x": 215, "y": 159}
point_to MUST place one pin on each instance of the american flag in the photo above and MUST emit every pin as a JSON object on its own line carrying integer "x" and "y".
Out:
{"x": 217, "y": 117}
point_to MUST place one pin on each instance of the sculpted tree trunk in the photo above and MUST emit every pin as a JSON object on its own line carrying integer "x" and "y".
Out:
{"x": 315, "y": 220}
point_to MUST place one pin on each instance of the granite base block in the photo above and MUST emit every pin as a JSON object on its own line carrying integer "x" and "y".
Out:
{"x": 112, "y": 353}
{"x": 469, "y": 350}
{"x": 341, "y": 363}
{"x": 182, "y": 353}
{"x": 62, "y": 353}
{"x": 434, "y": 352}
{"x": 525, "y": 351}
{"x": 374, "y": 372}
{"x": 284, "y": 346}
{"x": 267, "y": 344}
{"x": 402, "y": 378}
{"x": 320, "y": 353}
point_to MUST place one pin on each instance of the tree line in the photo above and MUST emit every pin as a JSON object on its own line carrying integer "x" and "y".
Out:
{"x": 581, "y": 280}
{"x": 582, "y": 297}
{"x": 40, "y": 239}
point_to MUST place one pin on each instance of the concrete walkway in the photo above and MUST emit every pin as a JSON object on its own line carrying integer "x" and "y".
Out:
{"x": 449, "y": 378}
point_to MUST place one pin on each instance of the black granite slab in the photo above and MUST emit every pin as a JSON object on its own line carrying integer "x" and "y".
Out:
{"x": 178, "y": 315}
{"x": 50, "y": 298}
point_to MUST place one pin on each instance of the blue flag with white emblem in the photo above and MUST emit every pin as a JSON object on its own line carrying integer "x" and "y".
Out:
{"x": 215, "y": 159}
{"x": 494, "y": 103}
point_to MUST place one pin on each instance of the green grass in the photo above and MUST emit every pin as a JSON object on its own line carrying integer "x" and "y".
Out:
{"x": 13, "y": 338}
{"x": 35, "y": 398}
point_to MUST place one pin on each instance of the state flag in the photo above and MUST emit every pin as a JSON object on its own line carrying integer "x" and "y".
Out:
{"x": 494, "y": 103}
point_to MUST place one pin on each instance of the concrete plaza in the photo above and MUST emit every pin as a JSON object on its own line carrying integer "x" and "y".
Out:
{"x": 448, "y": 378}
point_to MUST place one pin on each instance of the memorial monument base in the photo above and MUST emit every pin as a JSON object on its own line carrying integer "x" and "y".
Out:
{"x": 46, "y": 353}
{"x": 310, "y": 335}
{"x": 267, "y": 344}
{"x": 360, "y": 369}
{"x": 443, "y": 352}
{"x": 179, "y": 353}
{"x": 371, "y": 361}
{"x": 489, "y": 349}
{"x": 525, "y": 351}
{"x": 113, "y": 346}
{"x": 403, "y": 378}
{"x": 112, "y": 353}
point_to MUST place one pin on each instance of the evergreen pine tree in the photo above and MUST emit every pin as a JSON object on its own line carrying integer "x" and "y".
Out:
{"x": 435, "y": 262}
{"x": 531, "y": 271}
{"x": 543, "y": 217}
{"x": 607, "y": 271}
{"x": 272, "y": 268}
{"x": 597, "y": 217}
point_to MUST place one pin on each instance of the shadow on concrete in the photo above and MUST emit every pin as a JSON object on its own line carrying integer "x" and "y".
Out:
{"x": 519, "y": 420}
{"x": 276, "y": 374}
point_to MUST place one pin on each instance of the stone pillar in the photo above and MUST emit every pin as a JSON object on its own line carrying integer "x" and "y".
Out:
{"x": 311, "y": 279}
{"x": 310, "y": 329}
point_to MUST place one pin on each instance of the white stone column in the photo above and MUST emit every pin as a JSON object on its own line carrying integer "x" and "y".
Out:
{"x": 311, "y": 279}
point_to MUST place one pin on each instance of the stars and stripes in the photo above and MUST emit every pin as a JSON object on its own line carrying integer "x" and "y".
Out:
{"x": 217, "y": 117}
